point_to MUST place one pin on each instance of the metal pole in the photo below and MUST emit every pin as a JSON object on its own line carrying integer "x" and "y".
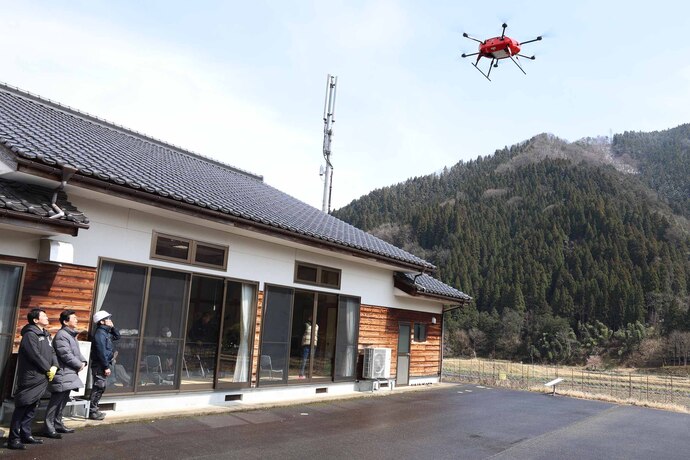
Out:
{"x": 328, "y": 120}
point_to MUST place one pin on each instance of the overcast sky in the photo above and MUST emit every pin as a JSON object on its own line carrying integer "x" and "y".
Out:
{"x": 244, "y": 81}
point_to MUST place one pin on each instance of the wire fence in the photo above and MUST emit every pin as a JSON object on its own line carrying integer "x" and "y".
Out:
{"x": 625, "y": 386}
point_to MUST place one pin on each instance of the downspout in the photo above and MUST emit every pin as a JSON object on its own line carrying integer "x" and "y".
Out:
{"x": 414, "y": 281}
{"x": 67, "y": 173}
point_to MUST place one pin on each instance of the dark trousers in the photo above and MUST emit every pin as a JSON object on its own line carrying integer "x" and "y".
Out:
{"x": 99, "y": 383}
{"x": 20, "y": 426}
{"x": 56, "y": 405}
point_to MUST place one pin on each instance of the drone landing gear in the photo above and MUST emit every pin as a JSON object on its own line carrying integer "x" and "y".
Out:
{"x": 494, "y": 63}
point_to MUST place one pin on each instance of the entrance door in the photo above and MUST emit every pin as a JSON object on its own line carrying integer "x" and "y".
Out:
{"x": 403, "y": 368}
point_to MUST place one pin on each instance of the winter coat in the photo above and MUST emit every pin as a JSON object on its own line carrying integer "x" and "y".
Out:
{"x": 34, "y": 360}
{"x": 306, "y": 337}
{"x": 102, "y": 348}
{"x": 70, "y": 361}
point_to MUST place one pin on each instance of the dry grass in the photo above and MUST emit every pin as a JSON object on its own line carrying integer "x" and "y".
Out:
{"x": 622, "y": 386}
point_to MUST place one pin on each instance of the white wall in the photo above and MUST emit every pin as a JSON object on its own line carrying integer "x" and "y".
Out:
{"x": 19, "y": 244}
{"x": 125, "y": 234}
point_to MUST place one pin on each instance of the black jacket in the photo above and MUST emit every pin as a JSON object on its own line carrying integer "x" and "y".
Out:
{"x": 102, "y": 348}
{"x": 34, "y": 359}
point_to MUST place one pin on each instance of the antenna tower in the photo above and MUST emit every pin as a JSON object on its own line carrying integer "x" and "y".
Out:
{"x": 328, "y": 120}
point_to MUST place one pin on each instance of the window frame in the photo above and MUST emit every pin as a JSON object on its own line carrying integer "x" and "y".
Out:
{"x": 142, "y": 325}
{"x": 12, "y": 332}
{"x": 191, "y": 255}
{"x": 319, "y": 271}
{"x": 417, "y": 329}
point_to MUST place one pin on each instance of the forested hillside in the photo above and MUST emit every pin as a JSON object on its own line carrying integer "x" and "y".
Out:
{"x": 567, "y": 256}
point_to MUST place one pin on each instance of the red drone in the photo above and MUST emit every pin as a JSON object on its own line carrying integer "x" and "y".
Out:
{"x": 499, "y": 48}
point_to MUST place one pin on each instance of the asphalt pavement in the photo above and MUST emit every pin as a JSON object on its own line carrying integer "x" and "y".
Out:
{"x": 445, "y": 421}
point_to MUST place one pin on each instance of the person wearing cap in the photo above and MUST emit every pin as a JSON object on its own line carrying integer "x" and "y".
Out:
{"x": 36, "y": 366}
{"x": 102, "y": 354}
{"x": 71, "y": 362}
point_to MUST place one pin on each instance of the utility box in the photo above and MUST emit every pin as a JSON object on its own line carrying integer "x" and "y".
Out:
{"x": 55, "y": 251}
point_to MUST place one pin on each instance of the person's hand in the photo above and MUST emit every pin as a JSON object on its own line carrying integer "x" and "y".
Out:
{"x": 51, "y": 373}
{"x": 107, "y": 372}
{"x": 83, "y": 365}
{"x": 109, "y": 322}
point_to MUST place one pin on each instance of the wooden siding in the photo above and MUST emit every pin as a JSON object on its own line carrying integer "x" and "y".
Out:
{"x": 54, "y": 288}
{"x": 378, "y": 327}
{"x": 257, "y": 338}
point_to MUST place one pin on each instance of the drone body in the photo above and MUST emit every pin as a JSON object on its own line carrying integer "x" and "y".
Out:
{"x": 498, "y": 48}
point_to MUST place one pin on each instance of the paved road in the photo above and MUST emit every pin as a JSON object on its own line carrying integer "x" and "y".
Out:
{"x": 458, "y": 422}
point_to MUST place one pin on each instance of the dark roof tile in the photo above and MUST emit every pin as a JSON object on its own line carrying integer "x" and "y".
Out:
{"x": 32, "y": 199}
{"x": 41, "y": 130}
{"x": 425, "y": 284}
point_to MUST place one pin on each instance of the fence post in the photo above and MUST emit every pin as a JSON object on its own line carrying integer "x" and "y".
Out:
{"x": 629, "y": 385}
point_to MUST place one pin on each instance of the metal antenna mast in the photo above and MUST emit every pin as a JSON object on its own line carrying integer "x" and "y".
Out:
{"x": 328, "y": 120}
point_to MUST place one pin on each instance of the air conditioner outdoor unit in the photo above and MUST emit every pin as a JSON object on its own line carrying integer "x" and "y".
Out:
{"x": 377, "y": 363}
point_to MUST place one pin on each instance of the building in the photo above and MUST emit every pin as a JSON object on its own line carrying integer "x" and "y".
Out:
{"x": 221, "y": 285}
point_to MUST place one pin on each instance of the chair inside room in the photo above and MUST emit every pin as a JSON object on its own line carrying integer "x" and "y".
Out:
{"x": 154, "y": 371}
{"x": 267, "y": 371}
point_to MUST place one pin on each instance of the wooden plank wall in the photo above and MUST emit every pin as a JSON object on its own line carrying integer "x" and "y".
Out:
{"x": 378, "y": 327}
{"x": 55, "y": 288}
{"x": 257, "y": 338}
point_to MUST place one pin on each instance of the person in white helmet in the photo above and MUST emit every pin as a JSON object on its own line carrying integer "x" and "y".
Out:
{"x": 102, "y": 354}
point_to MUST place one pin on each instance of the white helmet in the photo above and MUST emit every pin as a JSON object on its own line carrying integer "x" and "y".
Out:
{"x": 100, "y": 316}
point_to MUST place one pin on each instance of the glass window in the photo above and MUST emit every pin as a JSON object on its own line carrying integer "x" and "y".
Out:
{"x": 306, "y": 273}
{"x": 318, "y": 275}
{"x": 419, "y": 332}
{"x": 236, "y": 338}
{"x": 203, "y": 325}
{"x": 304, "y": 333}
{"x": 330, "y": 277}
{"x": 275, "y": 335}
{"x": 346, "y": 338}
{"x": 163, "y": 332}
{"x": 189, "y": 251}
{"x": 120, "y": 291}
{"x": 172, "y": 248}
{"x": 10, "y": 282}
{"x": 209, "y": 255}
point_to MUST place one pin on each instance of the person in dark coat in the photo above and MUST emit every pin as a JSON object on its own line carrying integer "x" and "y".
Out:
{"x": 36, "y": 366}
{"x": 102, "y": 354}
{"x": 70, "y": 362}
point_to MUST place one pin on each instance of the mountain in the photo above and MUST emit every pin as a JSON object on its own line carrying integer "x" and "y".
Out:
{"x": 563, "y": 235}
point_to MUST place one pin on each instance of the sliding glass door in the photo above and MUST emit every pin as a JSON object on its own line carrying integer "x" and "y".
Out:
{"x": 237, "y": 334}
{"x": 308, "y": 336}
{"x": 178, "y": 330}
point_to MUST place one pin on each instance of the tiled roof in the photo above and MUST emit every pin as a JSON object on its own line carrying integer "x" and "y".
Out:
{"x": 45, "y": 132}
{"x": 425, "y": 284}
{"x": 36, "y": 201}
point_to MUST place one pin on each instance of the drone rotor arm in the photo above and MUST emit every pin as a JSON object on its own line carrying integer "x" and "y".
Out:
{"x": 527, "y": 57}
{"x": 538, "y": 39}
{"x": 466, "y": 35}
{"x": 503, "y": 34}
{"x": 468, "y": 55}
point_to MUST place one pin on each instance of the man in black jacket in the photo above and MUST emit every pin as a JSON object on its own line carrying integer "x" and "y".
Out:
{"x": 36, "y": 366}
{"x": 102, "y": 353}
